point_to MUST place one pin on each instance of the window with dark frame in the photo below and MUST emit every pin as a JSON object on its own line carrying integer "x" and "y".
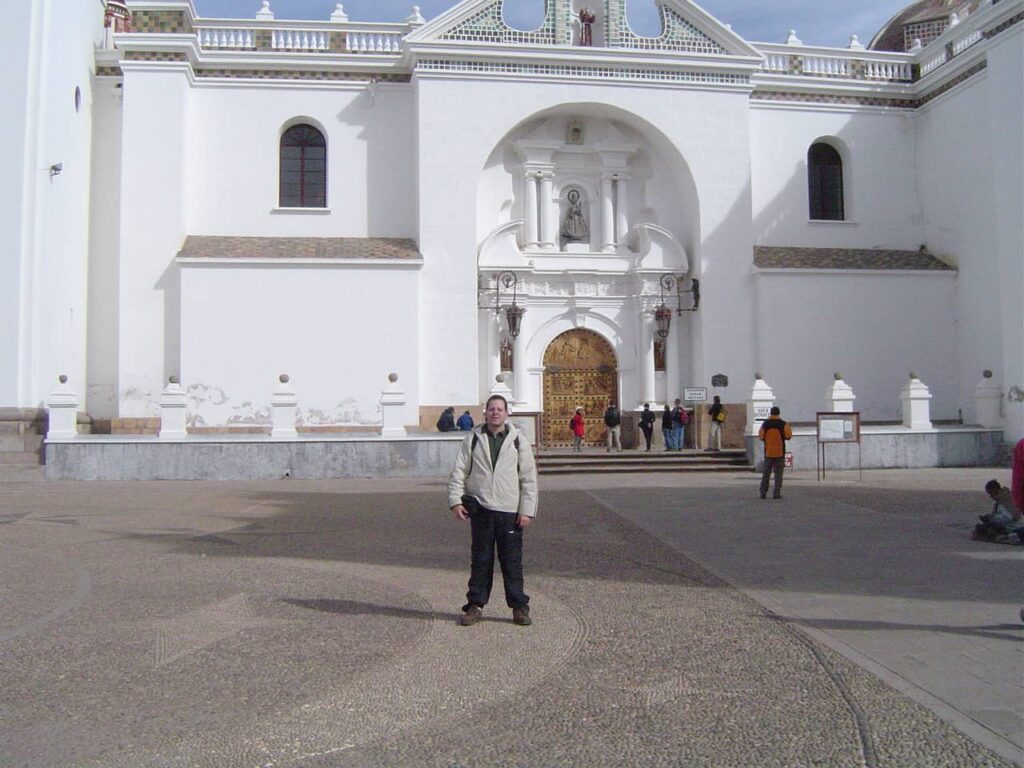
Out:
{"x": 825, "y": 183}
{"x": 303, "y": 168}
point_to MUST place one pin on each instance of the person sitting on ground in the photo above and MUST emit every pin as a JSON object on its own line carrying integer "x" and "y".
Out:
{"x": 465, "y": 422}
{"x": 447, "y": 421}
{"x": 1004, "y": 517}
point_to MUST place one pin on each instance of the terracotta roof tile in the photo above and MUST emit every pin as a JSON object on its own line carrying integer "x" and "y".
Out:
{"x": 767, "y": 257}
{"x": 207, "y": 247}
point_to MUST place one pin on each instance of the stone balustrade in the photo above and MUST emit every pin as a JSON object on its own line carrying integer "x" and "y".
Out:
{"x": 374, "y": 42}
{"x": 300, "y": 37}
{"x": 299, "y": 40}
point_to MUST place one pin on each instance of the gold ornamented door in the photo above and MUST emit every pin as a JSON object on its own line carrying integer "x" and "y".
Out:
{"x": 579, "y": 372}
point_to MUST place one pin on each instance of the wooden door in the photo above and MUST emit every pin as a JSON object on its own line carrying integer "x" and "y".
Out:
{"x": 579, "y": 372}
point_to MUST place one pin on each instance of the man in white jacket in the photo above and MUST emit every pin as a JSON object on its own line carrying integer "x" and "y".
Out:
{"x": 494, "y": 485}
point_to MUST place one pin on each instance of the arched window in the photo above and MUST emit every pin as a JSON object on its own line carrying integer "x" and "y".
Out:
{"x": 303, "y": 168}
{"x": 825, "y": 182}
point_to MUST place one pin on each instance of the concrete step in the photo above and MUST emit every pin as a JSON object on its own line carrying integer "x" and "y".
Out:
{"x": 22, "y": 474}
{"x": 633, "y": 461}
{"x": 21, "y": 459}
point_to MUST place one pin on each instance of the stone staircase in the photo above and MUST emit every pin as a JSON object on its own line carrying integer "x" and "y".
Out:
{"x": 597, "y": 460}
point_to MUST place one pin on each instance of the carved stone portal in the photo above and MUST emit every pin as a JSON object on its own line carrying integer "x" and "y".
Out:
{"x": 580, "y": 371}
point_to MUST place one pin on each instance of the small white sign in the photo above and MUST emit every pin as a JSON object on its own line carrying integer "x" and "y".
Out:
{"x": 695, "y": 394}
{"x": 762, "y": 412}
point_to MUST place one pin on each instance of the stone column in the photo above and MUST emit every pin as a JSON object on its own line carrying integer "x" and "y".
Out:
{"x": 63, "y": 408}
{"x": 607, "y": 215}
{"x": 839, "y": 397}
{"x": 493, "y": 344}
{"x": 916, "y": 399}
{"x": 621, "y": 220}
{"x": 173, "y": 411}
{"x": 647, "y": 372}
{"x": 759, "y": 404}
{"x": 283, "y": 406}
{"x": 988, "y": 402}
{"x": 548, "y": 220}
{"x": 672, "y": 372}
{"x": 532, "y": 233}
{"x": 519, "y": 368}
{"x": 392, "y": 402}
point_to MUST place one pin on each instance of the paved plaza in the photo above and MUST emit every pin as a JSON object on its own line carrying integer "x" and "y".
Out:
{"x": 679, "y": 621}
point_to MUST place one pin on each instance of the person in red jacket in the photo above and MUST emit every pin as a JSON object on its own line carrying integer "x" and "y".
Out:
{"x": 578, "y": 425}
{"x": 774, "y": 433}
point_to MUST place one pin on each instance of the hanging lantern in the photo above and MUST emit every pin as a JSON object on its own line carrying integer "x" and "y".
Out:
{"x": 514, "y": 315}
{"x": 663, "y": 319}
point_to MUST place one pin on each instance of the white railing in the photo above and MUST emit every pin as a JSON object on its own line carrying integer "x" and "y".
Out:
{"x": 299, "y": 40}
{"x": 227, "y": 38}
{"x": 827, "y": 66}
{"x": 965, "y": 42}
{"x": 776, "y": 62}
{"x": 930, "y": 65}
{"x": 888, "y": 70}
{"x": 374, "y": 42}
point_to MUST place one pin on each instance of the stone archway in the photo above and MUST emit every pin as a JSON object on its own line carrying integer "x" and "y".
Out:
{"x": 580, "y": 370}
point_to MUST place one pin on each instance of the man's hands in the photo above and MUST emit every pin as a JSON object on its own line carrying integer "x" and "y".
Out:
{"x": 459, "y": 511}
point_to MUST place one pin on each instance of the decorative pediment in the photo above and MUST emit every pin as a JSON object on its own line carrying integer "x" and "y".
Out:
{"x": 686, "y": 28}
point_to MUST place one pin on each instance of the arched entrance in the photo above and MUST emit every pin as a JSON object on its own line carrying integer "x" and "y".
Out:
{"x": 580, "y": 371}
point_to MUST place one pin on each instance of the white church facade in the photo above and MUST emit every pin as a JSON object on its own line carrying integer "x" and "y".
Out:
{"x": 450, "y": 200}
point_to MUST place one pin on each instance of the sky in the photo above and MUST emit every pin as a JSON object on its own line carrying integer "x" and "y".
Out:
{"x": 817, "y": 22}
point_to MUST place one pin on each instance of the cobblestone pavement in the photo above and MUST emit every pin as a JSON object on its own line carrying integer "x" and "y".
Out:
{"x": 313, "y": 624}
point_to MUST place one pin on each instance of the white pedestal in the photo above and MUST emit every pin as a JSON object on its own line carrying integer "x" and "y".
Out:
{"x": 839, "y": 397}
{"x": 988, "y": 402}
{"x": 284, "y": 407}
{"x": 63, "y": 407}
{"x": 173, "y": 412}
{"x": 759, "y": 405}
{"x": 392, "y": 402}
{"x": 916, "y": 399}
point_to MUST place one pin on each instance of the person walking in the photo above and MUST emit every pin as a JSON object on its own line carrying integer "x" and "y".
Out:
{"x": 774, "y": 433}
{"x": 666, "y": 427}
{"x": 680, "y": 418}
{"x": 578, "y": 425}
{"x": 493, "y": 485}
{"x": 647, "y": 424}
{"x": 717, "y": 414}
{"x": 465, "y": 422}
{"x": 613, "y": 421}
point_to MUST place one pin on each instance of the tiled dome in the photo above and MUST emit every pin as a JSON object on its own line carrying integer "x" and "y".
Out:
{"x": 923, "y": 20}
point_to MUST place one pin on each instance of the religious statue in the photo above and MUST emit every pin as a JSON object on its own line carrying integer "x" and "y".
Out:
{"x": 506, "y": 354}
{"x": 574, "y": 228}
{"x": 587, "y": 19}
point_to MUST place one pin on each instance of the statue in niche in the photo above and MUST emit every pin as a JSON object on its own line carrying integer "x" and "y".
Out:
{"x": 660, "y": 350}
{"x": 574, "y": 227}
{"x": 506, "y": 354}
{"x": 575, "y": 133}
{"x": 587, "y": 19}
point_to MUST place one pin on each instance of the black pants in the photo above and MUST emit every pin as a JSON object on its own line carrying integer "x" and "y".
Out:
{"x": 492, "y": 528}
{"x": 777, "y": 465}
{"x": 648, "y": 430}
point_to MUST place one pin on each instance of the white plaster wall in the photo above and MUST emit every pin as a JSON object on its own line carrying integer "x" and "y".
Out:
{"x": 882, "y": 204}
{"x": 873, "y": 328}
{"x": 104, "y": 251}
{"x": 969, "y": 163}
{"x": 19, "y": 64}
{"x": 234, "y": 160}
{"x": 156, "y": 128}
{"x": 44, "y": 293}
{"x": 461, "y": 122}
{"x": 337, "y": 331}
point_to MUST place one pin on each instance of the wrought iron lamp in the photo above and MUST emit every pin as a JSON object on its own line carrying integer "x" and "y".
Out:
{"x": 663, "y": 314}
{"x": 513, "y": 312}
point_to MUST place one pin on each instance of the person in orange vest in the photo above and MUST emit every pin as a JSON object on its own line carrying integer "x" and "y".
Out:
{"x": 774, "y": 433}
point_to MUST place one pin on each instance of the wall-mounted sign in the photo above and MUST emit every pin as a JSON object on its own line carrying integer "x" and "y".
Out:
{"x": 695, "y": 394}
{"x": 762, "y": 412}
{"x": 719, "y": 380}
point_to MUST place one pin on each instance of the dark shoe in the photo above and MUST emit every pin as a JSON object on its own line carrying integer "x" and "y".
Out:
{"x": 763, "y": 496}
{"x": 777, "y": 496}
{"x": 521, "y": 616}
{"x": 471, "y": 616}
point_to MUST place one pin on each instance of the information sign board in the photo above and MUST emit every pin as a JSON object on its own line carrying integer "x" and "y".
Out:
{"x": 695, "y": 394}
